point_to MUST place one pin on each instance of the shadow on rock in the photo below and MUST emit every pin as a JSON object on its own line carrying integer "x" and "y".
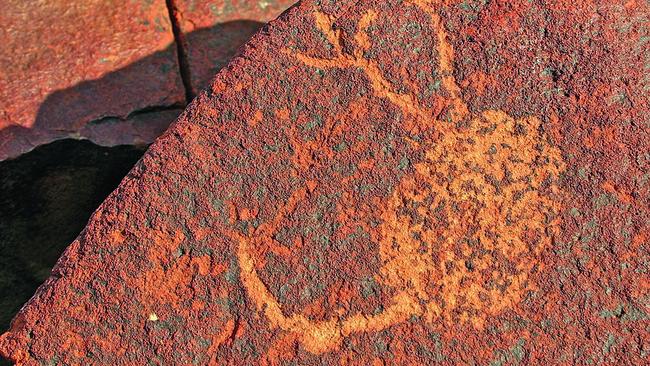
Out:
{"x": 102, "y": 110}
{"x": 48, "y": 194}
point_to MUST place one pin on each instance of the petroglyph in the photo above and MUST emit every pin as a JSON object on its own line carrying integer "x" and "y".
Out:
{"x": 486, "y": 192}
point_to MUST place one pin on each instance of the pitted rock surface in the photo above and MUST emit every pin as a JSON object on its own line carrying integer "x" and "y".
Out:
{"x": 395, "y": 182}
{"x": 213, "y": 31}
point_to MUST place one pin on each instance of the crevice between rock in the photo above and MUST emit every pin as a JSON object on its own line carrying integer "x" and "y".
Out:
{"x": 182, "y": 50}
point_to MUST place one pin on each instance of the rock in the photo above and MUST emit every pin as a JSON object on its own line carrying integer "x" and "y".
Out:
{"x": 95, "y": 70}
{"x": 213, "y": 31}
{"x": 396, "y": 182}
{"x": 40, "y": 219}
{"x": 47, "y": 196}
{"x": 63, "y": 65}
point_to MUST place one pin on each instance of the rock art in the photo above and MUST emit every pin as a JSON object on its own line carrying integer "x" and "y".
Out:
{"x": 395, "y": 182}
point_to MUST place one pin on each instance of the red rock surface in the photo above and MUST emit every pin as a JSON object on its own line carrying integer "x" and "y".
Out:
{"x": 214, "y": 30}
{"x": 64, "y": 64}
{"x": 68, "y": 67}
{"x": 396, "y": 182}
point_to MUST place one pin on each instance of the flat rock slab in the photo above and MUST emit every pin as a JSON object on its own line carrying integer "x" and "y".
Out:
{"x": 395, "y": 182}
{"x": 90, "y": 70}
{"x": 64, "y": 64}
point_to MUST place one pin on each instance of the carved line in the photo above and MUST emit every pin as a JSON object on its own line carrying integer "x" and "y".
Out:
{"x": 321, "y": 336}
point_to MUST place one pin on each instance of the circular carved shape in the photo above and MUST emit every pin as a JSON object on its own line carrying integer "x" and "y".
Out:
{"x": 459, "y": 236}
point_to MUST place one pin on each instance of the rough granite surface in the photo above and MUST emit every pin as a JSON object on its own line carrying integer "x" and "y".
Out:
{"x": 395, "y": 182}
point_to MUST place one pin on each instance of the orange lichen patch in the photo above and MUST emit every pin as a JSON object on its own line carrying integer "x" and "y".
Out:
{"x": 168, "y": 286}
{"x": 480, "y": 82}
{"x": 311, "y": 185}
{"x": 218, "y": 269}
{"x": 198, "y": 305}
{"x": 20, "y": 357}
{"x": 555, "y": 127}
{"x": 257, "y": 118}
{"x": 202, "y": 264}
{"x": 246, "y": 213}
{"x": 303, "y": 156}
{"x": 280, "y": 350}
{"x": 620, "y": 194}
{"x": 282, "y": 114}
{"x": 169, "y": 281}
{"x": 640, "y": 238}
{"x": 116, "y": 237}
{"x": 221, "y": 338}
{"x": 476, "y": 196}
{"x": 75, "y": 344}
{"x": 600, "y": 135}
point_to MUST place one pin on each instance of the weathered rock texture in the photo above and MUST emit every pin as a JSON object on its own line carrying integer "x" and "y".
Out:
{"x": 64, "y": 64}
{"x": 212, "y": 31}
{"x": 110, "y": 71}
{"x": 394, "y": 182}
{"x": 46, "y": 198}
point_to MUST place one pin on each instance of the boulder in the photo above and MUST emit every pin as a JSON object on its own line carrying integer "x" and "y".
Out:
{"x": 64, "y": 65}
{"x": 394, "y": 182}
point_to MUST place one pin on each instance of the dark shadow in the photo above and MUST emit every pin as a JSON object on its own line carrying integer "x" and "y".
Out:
{"x": 48, "y": 194}
{"x": 212, "y": 48}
